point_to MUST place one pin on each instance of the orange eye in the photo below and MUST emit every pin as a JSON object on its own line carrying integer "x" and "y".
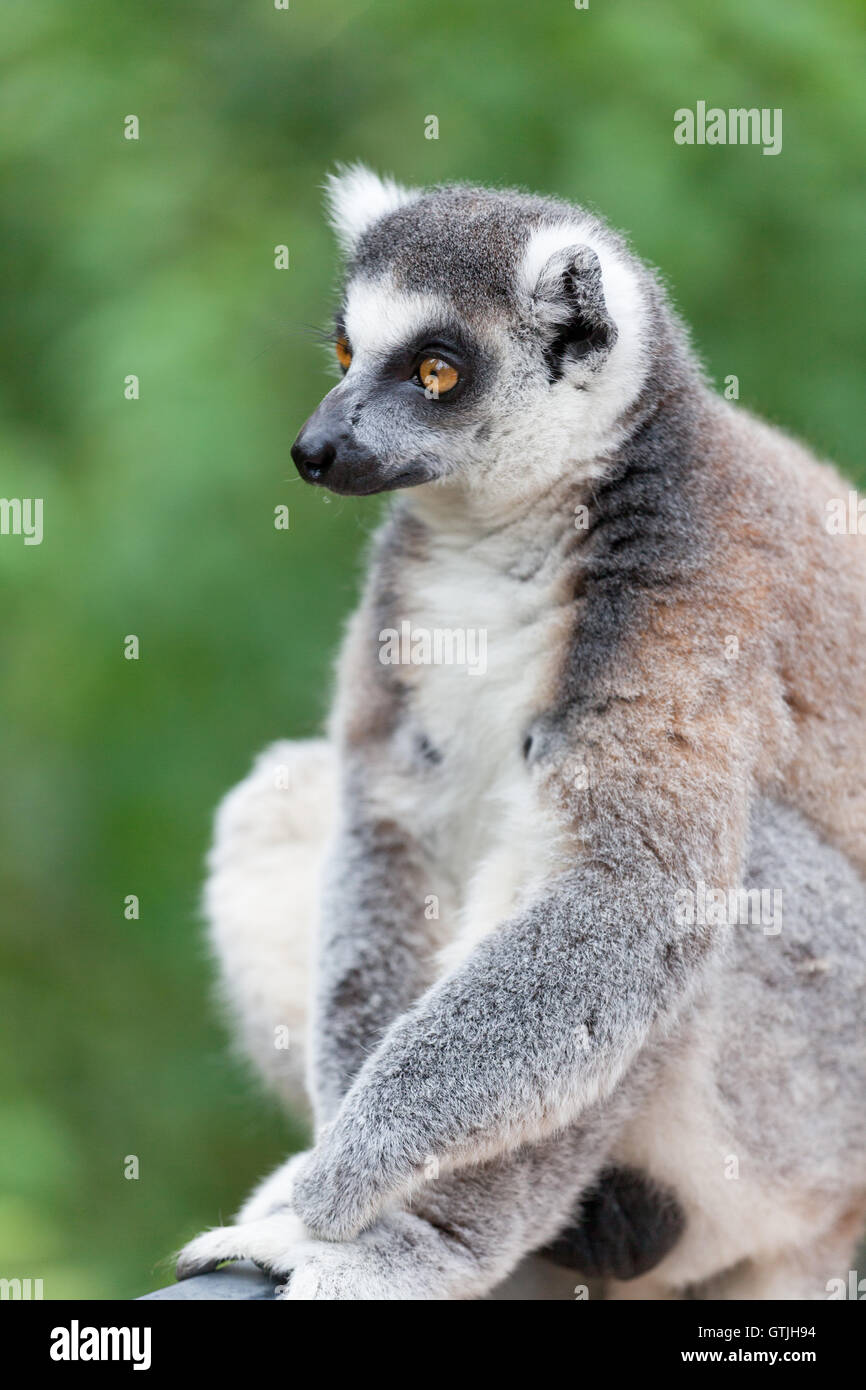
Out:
{"x": 344, "y": 353}
{"x": 437, "y": 376}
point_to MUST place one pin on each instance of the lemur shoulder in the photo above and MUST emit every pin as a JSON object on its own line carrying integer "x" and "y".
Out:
{"x": 672, "y": 703}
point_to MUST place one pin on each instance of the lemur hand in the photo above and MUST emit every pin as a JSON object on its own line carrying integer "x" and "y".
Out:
{"x": 266, "y": 1224}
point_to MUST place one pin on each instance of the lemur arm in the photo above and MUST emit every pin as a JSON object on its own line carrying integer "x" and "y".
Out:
{"x": 549, "y": 1010}
{"x": 542, "y": 1020}
{"x": 463, "y": 1234}
{"x": 372, "y": 950}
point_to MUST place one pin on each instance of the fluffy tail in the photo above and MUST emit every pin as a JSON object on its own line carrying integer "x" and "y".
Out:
{"x": 261, "y": 902}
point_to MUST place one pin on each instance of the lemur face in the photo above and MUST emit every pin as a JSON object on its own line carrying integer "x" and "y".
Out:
{"x": 484, "y": 337}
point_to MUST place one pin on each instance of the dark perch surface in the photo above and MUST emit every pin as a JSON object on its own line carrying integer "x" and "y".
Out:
{"x": 536, "y": 1279}
{"x": 238, "y": 1281}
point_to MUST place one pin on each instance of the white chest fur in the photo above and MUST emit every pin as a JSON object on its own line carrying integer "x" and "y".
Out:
{"x": 473, "y": 799}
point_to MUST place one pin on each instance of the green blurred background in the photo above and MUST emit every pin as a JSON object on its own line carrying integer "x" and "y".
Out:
{"x": 155, "y": 257}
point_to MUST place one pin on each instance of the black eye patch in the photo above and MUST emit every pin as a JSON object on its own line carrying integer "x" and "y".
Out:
{"x": 437, "y": 341}
{"x": 453, "y": 345}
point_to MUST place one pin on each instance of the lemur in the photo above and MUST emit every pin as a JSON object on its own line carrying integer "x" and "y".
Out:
{"x": 527, "y": 982}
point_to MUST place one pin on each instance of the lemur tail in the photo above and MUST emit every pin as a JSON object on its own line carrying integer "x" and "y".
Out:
{"x": 261, "y": 903}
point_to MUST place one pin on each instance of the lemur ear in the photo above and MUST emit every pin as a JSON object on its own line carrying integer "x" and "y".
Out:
{"x": 569, "y": 306}
{"x": 356, "y": 198}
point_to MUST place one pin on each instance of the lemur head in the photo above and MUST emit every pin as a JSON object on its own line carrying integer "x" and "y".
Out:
{"x": 486, "y": 339}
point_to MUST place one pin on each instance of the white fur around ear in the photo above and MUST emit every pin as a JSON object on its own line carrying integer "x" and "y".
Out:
{"x": 616, "y": 279}
{"x": 356, "y": 198}
{"x": 552, "y": 248}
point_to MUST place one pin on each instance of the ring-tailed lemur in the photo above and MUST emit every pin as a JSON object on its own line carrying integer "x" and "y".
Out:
{"x": 532, "y": 974}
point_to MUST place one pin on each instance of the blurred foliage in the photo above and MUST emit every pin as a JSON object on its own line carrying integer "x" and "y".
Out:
{"x": 155, "y": 257}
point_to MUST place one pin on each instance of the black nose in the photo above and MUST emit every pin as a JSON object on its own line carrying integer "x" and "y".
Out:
{"x": 314, "y": 451}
